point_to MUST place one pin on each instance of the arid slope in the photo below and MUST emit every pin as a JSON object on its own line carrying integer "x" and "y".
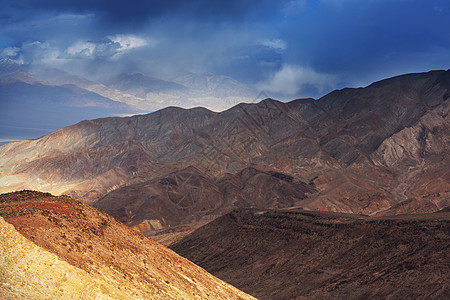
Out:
{"x": 295, "y": 254}
{"x": 29, "y": 271}
{"x": 70, "y": 248}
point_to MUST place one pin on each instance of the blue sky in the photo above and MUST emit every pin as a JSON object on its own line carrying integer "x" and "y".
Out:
{"x": 293, "y": 49}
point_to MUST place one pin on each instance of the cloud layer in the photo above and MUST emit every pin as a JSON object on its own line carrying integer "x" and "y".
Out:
{"x": 295, "y": 80}
{"x": 295, "y": 48}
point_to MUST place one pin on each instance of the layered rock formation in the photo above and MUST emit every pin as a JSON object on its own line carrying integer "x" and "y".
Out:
{"x": 188, "y": 197}
{"x": 58, "y": 248}
{"x": 377, "y": 150}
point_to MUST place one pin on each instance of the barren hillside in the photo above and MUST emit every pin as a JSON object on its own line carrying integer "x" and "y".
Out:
{"x": 60, "y": 248}
{"x": 295, "y": 254}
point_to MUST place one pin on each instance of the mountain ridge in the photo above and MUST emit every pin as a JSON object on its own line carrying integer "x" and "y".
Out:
{"x": 349, "y": 146}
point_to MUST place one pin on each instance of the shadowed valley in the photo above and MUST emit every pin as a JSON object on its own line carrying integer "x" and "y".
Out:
{"x": 295, "y": 254}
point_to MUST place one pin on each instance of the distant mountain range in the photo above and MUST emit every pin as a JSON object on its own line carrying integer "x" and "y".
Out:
{"x": 379, "y": 150}
{"x": 35, "y": 102}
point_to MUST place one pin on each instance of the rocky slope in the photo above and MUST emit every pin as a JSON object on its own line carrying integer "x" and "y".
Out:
{"x": 188, "y": 197}
{"x": 29, "y": 271}
{"x": 377, "y": 150}
{"x": 58, "y": 248}
{"x": 295, "y": 254}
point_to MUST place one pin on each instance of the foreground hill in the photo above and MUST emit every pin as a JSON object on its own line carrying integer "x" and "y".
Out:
{"x": 295, "y": 254}
{"x": 383, "y": 149}
{"x": 59, "y": 248}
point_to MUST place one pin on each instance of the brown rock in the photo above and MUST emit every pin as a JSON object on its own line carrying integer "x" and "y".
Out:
{"x": 295, "y": 254}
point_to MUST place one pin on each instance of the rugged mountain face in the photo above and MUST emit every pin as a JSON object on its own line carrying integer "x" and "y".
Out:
{"x": 377, "y": 150}
{"x": 59, "y": 248}
{"x": 295, "y": 254}
{"x": 29, "y": 95}
{"x": 188, "y": 197}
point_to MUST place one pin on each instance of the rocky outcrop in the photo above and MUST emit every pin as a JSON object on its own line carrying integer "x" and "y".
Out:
{"x": 414, "y": 144}
{"x": 419, "y": 154}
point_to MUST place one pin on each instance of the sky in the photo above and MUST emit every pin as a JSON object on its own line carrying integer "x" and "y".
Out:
{"x": 293, "y": 49}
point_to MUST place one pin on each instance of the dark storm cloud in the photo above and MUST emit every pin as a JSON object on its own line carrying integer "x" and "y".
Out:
{"x": 369, "y": 34}
{"x": 296, "y": 47}
{"x": 135, "y": 12}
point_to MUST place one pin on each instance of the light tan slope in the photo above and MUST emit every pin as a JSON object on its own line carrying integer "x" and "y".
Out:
{"x": 29, "y": 271}
{"x": 94, "y": 245}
